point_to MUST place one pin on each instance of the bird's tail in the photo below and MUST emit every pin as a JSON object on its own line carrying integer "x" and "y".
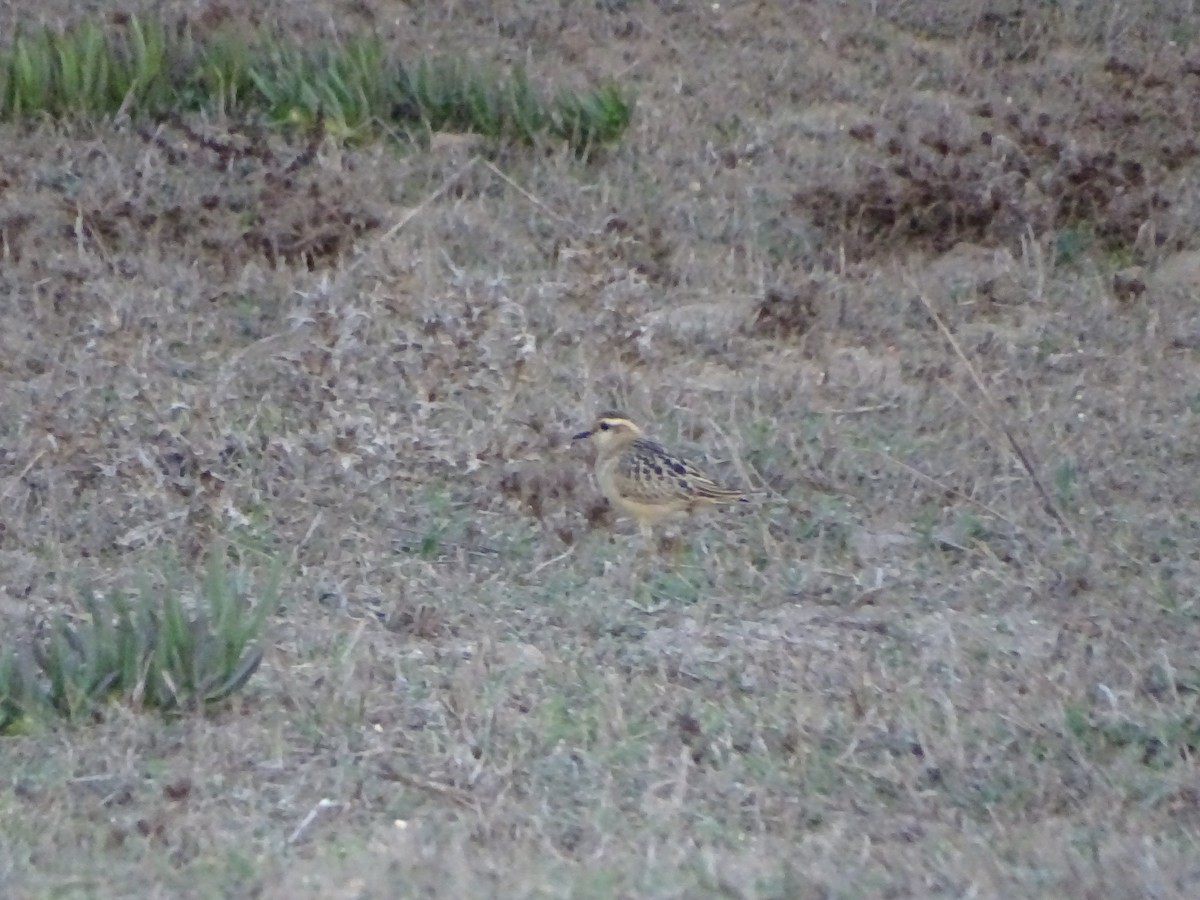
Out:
{"x": 718, "y": 494}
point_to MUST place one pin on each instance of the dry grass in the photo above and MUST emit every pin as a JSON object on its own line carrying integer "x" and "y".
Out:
{"x": 897, "y": 675}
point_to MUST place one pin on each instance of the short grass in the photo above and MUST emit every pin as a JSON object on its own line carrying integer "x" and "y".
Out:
{"x": 903, "y": 671}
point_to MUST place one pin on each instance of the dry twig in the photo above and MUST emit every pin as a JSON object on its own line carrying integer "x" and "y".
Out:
{"x": 998, "y": 418}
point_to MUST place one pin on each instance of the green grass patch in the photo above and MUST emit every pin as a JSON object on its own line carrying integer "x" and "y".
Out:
{"x": 1158, "y": 744}
{"x": 352, "y": 89}
{"x": 151, "y": 648}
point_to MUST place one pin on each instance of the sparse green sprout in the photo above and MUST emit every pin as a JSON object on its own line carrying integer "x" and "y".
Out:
{"x": 597, "y": 118}
{"x": 144, "y": 54}
{"x": 222, "y": 77}
{"x": 431, "y": 544}
{"x": 1065, "y": 483}
{"x": 154, "y": 650}
{"x": 1071, "y": 243}
{"x": 31, "y": 76}
{"x": 20, "y": 693}
{"x": 298, "y": 88}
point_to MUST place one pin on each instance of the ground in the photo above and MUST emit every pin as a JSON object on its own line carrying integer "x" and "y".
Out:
{"x": 923, "y": 278}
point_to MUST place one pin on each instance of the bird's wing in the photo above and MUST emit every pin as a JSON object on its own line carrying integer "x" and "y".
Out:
{"x": 650, "y": 474}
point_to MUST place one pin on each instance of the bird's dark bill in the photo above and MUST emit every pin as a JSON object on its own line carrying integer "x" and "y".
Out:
{"x": 582, "y": 435}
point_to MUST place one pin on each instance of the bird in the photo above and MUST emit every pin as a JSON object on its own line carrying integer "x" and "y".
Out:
{"x": 644, "y": 480}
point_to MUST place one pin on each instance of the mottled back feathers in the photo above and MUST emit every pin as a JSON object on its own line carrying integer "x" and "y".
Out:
{"x": 646, "y": 472}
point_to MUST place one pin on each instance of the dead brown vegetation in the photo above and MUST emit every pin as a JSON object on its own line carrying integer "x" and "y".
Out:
{"x": 896, "y": 675}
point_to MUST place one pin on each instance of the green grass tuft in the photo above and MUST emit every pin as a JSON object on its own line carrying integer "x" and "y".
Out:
{"x": 353, "y": 89}
{"x": 150, "y": 649}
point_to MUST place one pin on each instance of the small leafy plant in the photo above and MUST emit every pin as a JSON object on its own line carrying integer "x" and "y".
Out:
{"x": 150, "y": 649}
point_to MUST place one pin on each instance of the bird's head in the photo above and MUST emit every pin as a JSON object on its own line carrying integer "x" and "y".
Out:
{"x": 610, "y": 430}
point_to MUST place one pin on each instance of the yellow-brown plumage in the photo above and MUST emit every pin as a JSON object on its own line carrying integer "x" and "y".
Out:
{"x": 642, "y": 479}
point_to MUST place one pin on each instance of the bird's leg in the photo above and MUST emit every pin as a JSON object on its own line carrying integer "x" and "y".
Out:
{"x": 672, "y": 546}
{"x": 643, "y": 557}
{"x": 647, "y": 537}
{"x": 650, "y": 552}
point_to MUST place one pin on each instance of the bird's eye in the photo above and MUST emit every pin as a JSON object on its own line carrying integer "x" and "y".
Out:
{"x": 604, "y": 426}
